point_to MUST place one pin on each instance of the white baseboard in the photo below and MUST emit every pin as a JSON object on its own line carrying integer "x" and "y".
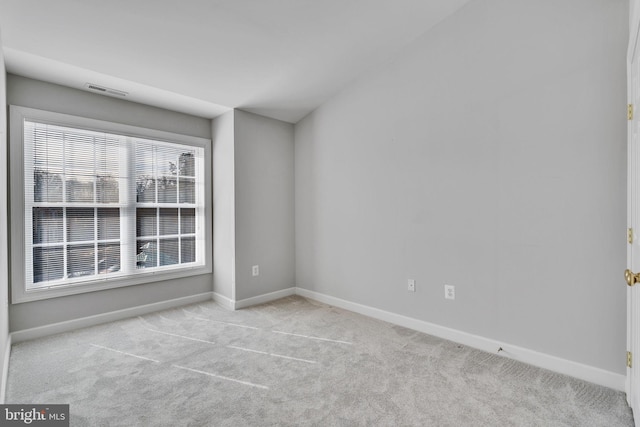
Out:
{"x": 261, "y": 299}
{"x": 5, "y": 370}
{"x": 83, "y": 322}
{"x": 542, "y": 360}
{"x": 225, "y": 302}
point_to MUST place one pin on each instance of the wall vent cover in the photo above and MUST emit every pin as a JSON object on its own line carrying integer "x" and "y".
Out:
{"x": 106, "y": 90}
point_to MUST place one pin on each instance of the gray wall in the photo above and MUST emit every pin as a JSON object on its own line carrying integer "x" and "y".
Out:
{"x": 36, "y": 94}
{"x": 489, "y": 155}
{"x": 264, "y": 204}
{"x": 4, "y": 207}
{"x": 224, "y": 220}
{"x": 253, "y": 205}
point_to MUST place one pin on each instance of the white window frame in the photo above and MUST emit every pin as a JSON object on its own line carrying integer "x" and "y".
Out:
{"x": 19, "y": 292}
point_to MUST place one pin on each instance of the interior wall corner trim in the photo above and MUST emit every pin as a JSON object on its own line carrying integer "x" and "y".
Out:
{"x": 223, "y": 301}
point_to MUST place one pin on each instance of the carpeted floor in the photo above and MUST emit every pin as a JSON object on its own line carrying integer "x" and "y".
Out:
{"x": 292, "y": 362}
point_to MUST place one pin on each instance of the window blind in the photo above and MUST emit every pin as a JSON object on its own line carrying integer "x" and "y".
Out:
{"x": 101, "y": 205}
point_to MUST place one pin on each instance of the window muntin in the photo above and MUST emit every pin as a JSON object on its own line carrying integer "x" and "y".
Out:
{"x": 91, "y": 245}
{"x": 83, "y": 192}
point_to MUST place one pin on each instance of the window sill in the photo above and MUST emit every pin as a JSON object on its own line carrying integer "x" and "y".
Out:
{"x": 119, "y": 282}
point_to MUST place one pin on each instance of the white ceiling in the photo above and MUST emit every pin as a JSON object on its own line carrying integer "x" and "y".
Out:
{"x": 278, "y": 58}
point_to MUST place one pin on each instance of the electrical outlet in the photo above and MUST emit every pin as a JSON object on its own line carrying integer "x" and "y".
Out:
{"x": 255, "y": 270}
{"x": 449, "y": 292}
{"x": 411, "y": 285}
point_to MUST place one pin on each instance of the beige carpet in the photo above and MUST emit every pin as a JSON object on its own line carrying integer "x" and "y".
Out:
{"x": 291, "y": 362}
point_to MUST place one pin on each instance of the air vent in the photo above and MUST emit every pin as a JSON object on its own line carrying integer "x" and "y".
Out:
{"x": 106, "y": 90}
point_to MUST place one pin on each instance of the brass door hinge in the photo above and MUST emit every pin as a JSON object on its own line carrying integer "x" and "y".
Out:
{"x": 631, "y": 277}
{"x": 630, "y": 111}
{"x": 629, "y": 359}
{"x": 630, "y": 235}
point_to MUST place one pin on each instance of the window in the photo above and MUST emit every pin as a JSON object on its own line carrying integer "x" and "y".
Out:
{"x": 105, "y": 205}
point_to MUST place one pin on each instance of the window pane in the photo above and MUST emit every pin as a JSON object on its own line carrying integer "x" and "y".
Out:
{"x": 187, "y": 221}
{"x": 188, "y": 249}
{"x": 145, "y": 158}
{"x": 107, "y": 149}
{"x": 48, "y": 264}
{"x": 47, "y": 225}
{"x": 187, "y": 164}
{"x": 80, "y": 224}
{"x": 146, "y": 254}
{"x": 166, "y": 161}
{"x": 108, "y": 258}
{"x": 78, "y": 151}
{"x": 168, "y": 221}
{"x": 48, "y": 146}
{"x": 108, "y": 224}
{"x": 187, "y": 190}
{"x": 145, "y": 190}
{"x": 169, "y": 252}
{"x": 80, "y": 188}
{"x": 146, "y": 222}
{"x": 107, "y": 189}
{"x": 167, "y": 189}
{"x": 80, "y": 260}
{"x": 47, "y": 186}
